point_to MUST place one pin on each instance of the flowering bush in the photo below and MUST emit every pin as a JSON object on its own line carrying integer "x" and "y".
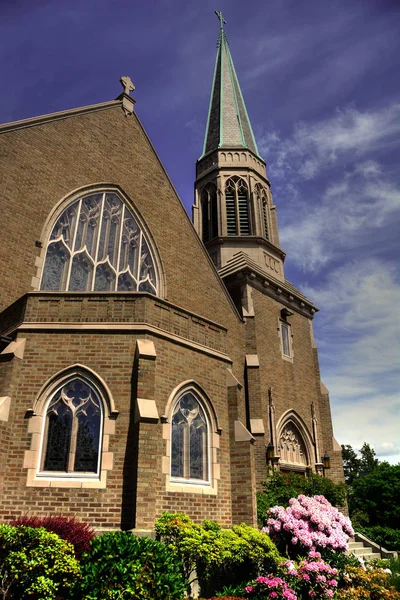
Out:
{"x": 76, "y": 532}
{"x": 366, "y": 584}
{"x": 270, "y": 587}
{"x": 309, "y": 523}
{"x": 312, "y": 577}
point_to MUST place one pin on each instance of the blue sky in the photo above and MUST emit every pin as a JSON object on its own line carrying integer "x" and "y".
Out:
{"x": 322, "y": 87}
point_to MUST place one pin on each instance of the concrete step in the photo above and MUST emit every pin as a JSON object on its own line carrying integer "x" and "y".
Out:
{"x": 362, "y": 547}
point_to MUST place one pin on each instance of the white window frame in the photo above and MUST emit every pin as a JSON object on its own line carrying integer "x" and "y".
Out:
{"x": 285, "y": 325}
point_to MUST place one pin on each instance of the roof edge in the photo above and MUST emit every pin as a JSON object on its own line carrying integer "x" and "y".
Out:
{"x": 63, "y": 114}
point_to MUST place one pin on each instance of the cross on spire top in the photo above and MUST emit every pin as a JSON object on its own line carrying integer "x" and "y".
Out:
{"x": 221, "y": 19}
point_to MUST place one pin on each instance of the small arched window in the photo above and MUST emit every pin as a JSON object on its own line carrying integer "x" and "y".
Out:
{"x": 190, "y": 433}
{"x": 237, "y": 207}
{"x": 97, "y": 245}
{"x": 72, "y": 430}
{"x": 209, "y": 213}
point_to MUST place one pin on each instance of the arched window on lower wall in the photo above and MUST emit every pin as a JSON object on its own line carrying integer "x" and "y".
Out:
{"x": 192, "y": 437}
{"x": 71, "y": 422}
{"x": 73, "y": 430}
{"x": 190, "y": 433}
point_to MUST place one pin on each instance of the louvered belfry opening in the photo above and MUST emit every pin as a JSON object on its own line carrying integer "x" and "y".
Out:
{"x": 209, "y": 213}
{"x": 237, "y": 207}
{"x": 265, "y": 215}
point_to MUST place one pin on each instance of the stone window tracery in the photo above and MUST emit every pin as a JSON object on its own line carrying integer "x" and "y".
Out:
{"x": 189, "y": 440}
{"x": 97, "y": 244}
{"x": 292, "y": 447}
{"x": 72, "y": 430}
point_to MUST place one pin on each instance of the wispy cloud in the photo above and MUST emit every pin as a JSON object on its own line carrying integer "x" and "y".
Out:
{"x": 316, "y": 146}
{"x": 361, "y": 352}
{"x": 349, "y": 211}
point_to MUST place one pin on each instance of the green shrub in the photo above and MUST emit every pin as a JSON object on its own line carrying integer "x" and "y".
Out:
{"x": 121, "y": 566}
{"x": 218, "y": 556}
{"x": 35, "y": 564}
{"x": 385, "y": 536}
{"x": 280, "y": 488}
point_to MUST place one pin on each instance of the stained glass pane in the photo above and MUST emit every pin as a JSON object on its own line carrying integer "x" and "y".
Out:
{"x": 126, "y": 283}
{"x": 55, "y": 267}
{"x": 73, "y": 429}
{"x": 81, "y": 274}
{"x": 189, "y": 440}
{"x": 177, "y": 448}
{"x": 105, "y": 278}
{"x": 58, "y": 437}
{"x": 65, "y": 225}
{"x": 146, "y": 264}
{"x": 103, "y": 225}
{"x": 87, "y": 443}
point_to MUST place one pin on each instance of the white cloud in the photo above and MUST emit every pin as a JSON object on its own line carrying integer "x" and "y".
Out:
{"x": 361, "y": 353}
{"x": 316, "y": 146}
{"x": 348, "y": 212}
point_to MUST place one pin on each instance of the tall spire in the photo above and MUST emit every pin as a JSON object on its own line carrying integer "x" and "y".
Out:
{"x": 228, "y": 124}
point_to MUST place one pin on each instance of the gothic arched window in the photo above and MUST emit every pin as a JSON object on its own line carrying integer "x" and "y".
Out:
{"x": 72, "y": 429}
{"x": 209, "y": 213}
{"x": 97, "y": 245}
{"x": 189, "y": 440}
{"x": 237, "y": 207}
{"x": 262, "y": 203}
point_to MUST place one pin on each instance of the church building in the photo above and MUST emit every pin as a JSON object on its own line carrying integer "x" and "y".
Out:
{"x": 149, "y": 363}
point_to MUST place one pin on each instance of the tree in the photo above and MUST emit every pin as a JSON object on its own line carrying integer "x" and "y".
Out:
{"x": 377, "y": 494}
{"x": 351, "y": 464}
{"x": 368, "y": 460}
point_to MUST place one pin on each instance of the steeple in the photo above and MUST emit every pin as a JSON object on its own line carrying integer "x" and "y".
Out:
{"x": 228, "y": 123}
{"x": 233, "y": 210}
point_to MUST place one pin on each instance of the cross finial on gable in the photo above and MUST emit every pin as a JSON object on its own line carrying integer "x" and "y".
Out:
{"x": 221, "y": 19}
{"x": 127, "y": 84}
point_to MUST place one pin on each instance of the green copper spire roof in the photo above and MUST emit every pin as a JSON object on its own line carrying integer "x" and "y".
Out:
{"x": 228, "y": 123}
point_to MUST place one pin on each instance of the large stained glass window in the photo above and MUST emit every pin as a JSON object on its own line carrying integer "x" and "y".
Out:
{"x": 72, "y": 433}
{"x": 97, "y": 245}
{"x": 189, "y": 440}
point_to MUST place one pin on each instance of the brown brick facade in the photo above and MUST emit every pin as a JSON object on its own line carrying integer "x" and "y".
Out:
{"x": 198, "y": 336}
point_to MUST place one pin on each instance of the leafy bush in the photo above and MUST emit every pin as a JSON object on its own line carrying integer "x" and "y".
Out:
{"x": 35, "y": 563}
{"x": 121, "y": 566}
{"x": 76, "y": 532}
{"x": 309, "y": 524}
{"x": 218, "y": 556}
{"x": 385, "y": 536}
{"x": 372, "y": 584}
{"x": 280, "y": 488}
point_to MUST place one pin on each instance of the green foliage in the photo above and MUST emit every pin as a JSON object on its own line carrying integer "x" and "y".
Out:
{"x": 351, "y": 463}
{"x": 218, "y": 556}
{"x": 35, "y": 564}
{"x": 394, "y": 578}
{"x": 279, "y": 489}
{"x": 385, "y": 536}
{"x": 121, "y": 566}
{"x": 377, "y": 494}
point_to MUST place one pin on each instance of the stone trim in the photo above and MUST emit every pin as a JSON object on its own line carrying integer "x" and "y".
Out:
{"x": 14, "y": 349}
{"x": 252, "y": 361}
{"x": 242, "y": 434}
{"x": 146, "y": 411}
{"x": 36, "y": 422}
{"x": 257, "y": 426}
{"x": 127, "y": 327}
{"x": 63, "y": 114}
{"x": 5, "y": 404}
{"x": 292, "y": 416}
{"x": 146, "y": 349}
